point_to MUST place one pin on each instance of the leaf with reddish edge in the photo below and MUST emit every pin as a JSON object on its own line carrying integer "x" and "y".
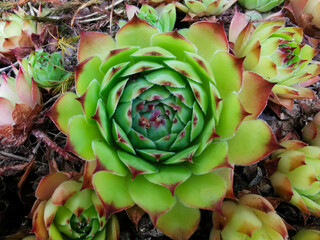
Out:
{"x": 85, "y": 72}
{"x": 169, "y": 176}
{"x": 6, "y": 109}
{"x": 173, "y": 42}
{"x": 38, "y": 225}
{"x": 49, "y": 213}
{"x": 282, "y": 185}
{"x": 254, "y": 85}
{"x": 94, "y": 44}
{"x": 80, "y": 201}
{"x": 238, "y": 23}
{"x": 24, "y": 89}
{"x": 208, "y": 37}
{"x": 136, "y": 32}
{"x": 112, "y": 229}
{"x": 203, "y": 191}
{"x": 153, "y": 198}
{"x": 49, "y": 183}
{"x": 296, "y": 92}
{"x": 231, "y": 116}
{"x": 112, "y": 191}
{"x": 136, "y": 165}
{"x": 64, "y": 191}
{"x": 135, "y": 214}
{"x": 88, "y": 171}
{"x": 107, "y": 158}
{"x": 227, "y": 174}
{"x": 180, "y": 222}
{"x": 80, "y": 137}
{"x": 253, "y": 141}
{"x": 63, "y": 110}
{"x": 227, "y": 71}
{"x": 215, "y": 155}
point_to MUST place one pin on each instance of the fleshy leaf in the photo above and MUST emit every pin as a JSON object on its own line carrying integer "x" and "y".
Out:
{"x": 112, "y": 191}
{"x": 152, "y": 198}
{"x": 94, "y": 44}
{"x": 80, "y": 137}
{"x": 180, "y": 222}
{"x": 252, "y": 142}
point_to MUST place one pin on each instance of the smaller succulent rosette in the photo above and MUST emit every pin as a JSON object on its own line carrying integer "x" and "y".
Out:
{"x": 162, "y": 17}
{"x": 307, "y": 234}
{"x": 46, "y": 69}
{"x": 260, "y": 5}
{"x": 20, "y": 103}
{"x": 277, "y": 54}
{"x": 251, "y": 217}
{"x": 296, "y": 175}
{"x": 64, "y": 210}
{"x": 200, "y": 8}
{"x": 311, "y": 132}
{"x": 305, "y": 13}
{"x": 15, "y": 32}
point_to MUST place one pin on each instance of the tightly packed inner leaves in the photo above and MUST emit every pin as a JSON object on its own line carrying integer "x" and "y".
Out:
{"x": 159, "y": 118}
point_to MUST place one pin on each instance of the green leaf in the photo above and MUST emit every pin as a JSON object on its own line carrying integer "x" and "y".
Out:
{"x": 166, "y": 77}
{"x": 204, "y": 191}
{"x": 121, "y": 138}
{"x": 112, "y": 191}
{"x": 152, "y": 198}
{"x": 252, "y": 142}
{"x": 108, "y": 157}
{"x": 180, "y": 222}
{"x": 80, "y": 136}
{"x": 63, "y": 110}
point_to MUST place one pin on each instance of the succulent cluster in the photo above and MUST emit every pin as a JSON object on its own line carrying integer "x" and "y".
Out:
{"x": 296, "y": 175}
{"x": 161, "y": 117}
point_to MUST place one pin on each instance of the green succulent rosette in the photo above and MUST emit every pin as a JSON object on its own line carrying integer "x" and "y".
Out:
{"x": 165, "y": 116}
{"x": 162, "y": 17}
{"x": 66, "y": 211}
{"x": 296, "y": 177}
{"x": 252, "y": 217}
{"x": 47, "y": 69}
{"x": 277, "y": 53}
{"x": 260, "y": 5}
{"x": 200, "y": 8}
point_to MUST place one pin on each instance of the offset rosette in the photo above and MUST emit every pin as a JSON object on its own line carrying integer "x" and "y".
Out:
{"x": 261, "y": 6}
{"x": 252, "y": 217}
{"x": 165, "y": 116}
{"x": 278, "y": 54}
{"x": 296, "y": 178}
{"x": 66, "y": 211}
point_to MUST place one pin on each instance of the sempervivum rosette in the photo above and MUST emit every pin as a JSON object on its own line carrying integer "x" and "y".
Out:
{"x": 66, "y": 211}
{"x": 164, "y": 114}
{"x": 278, "y": 54}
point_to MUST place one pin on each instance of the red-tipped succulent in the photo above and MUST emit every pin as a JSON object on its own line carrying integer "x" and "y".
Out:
{"x": 20, "y": 103}
{"x": 278, "y": 54}
{"x": 165, "y": 116}
{"x": 296, "y": 175}
{"x": 64, "y": 210}
{"x": 252, "y": 217}
{"x": 311, "y": 132}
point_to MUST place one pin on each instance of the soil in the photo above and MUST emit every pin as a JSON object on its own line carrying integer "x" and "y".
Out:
{"x": 21, "y": 167}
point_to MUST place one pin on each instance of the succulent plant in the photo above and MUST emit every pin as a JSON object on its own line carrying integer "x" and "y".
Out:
{"x": 305, "y": 13}
{"x": 251, "y": 217}
{"x": 163, "y": 17}
{"x": 200, "y": 8}
{"x": 260, "y": 5}
{"x": 65, "y": 210}
{"x": 165, "y": 116}
{"x": 277, "y": 54}
{"x": 20, "y": 103}
{"x": 296, "y": 175}
{"x": 46, "y": 69}
{"x": 311, "y": 132}
{"x": 305, "y": 234}
{"x": 15, "y": 32}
